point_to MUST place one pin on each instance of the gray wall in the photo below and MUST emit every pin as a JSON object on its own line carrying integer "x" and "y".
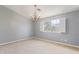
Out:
{"x": 13, "y": 26}
{"x": 72, "y": 29}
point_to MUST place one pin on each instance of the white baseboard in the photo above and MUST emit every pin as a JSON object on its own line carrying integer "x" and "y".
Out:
{"x": 65, "y": 44}
{"x": 42, "y": 40}
{"x": 16, "y": 41}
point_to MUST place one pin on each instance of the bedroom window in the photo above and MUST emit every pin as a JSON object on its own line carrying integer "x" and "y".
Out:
{"x": 55, "y": 25}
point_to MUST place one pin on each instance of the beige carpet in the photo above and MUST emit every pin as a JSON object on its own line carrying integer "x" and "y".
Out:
{"x": 34, "y": 46}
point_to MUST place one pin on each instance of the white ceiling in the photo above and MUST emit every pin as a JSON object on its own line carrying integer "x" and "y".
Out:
{"x": 46, "y": 10}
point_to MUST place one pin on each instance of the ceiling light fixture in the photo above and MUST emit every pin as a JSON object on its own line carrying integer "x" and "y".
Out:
{"x": 36, "y": 15}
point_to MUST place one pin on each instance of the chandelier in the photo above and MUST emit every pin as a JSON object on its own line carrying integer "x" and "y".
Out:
{"x": 36, "y": 15}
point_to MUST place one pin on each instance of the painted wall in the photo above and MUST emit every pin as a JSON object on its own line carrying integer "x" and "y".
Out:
{"x": 72, "y": 29}
{"x": 13, "y": 26}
